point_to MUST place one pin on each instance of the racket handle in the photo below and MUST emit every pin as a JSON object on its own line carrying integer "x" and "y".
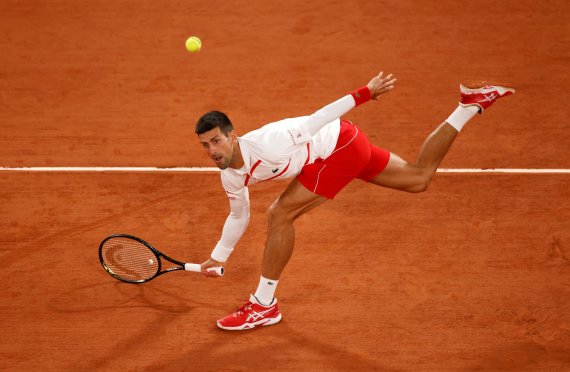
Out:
{"x": 198, "y": 268}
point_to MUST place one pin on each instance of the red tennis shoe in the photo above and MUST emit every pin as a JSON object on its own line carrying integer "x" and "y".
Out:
{"x": 482, "y": 93}
{"x": 251, "y": 315}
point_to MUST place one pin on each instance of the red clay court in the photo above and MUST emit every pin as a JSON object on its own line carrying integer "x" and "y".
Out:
{"x": 472, "y": 275}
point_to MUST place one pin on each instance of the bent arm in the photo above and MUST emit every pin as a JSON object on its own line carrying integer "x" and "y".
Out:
{"x": 234, "y": 227}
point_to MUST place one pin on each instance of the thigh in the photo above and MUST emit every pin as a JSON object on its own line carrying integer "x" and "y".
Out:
{"x": 297, "y": 200}
{"x": 399, "y": 174}
{"x": 329, "y": 176}
{"x": 326, "y": 179}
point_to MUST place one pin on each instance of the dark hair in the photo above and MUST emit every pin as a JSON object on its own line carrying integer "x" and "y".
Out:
{"x": 214, "y": 119}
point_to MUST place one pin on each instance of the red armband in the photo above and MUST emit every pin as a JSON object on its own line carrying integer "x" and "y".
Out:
{"x": 361, "y": 95}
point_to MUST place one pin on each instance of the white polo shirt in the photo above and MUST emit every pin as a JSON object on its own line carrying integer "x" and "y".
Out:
{"x": 277, "y": 150}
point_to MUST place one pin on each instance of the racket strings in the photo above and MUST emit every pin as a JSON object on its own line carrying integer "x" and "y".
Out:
{"x": 129, "y": 259}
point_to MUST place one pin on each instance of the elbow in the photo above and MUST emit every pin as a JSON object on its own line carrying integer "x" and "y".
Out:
{"x": 245, "y": 219}
{"x": 244, "y": 213}
{"x": 241, "y": 214}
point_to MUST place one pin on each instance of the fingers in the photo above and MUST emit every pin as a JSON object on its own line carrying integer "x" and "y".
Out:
{"x": 388, "y": 80}
{"x": 390, "y": 83}
{"x": 386, "y": 85}
{"x": 381, "y": 74}
{"x": 380, "y": 84}
{"x": 210, "y": 274}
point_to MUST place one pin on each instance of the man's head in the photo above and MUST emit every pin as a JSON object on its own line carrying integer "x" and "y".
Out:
{"x": 217, "y": 136}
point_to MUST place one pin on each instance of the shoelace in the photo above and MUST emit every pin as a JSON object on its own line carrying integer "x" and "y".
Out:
{"x": 244, "y": 308}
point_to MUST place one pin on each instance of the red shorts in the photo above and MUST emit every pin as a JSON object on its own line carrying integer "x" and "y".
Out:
{"x": 353, "y": 157}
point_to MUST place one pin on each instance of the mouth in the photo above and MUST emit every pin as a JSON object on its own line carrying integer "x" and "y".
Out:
{"x": 218, "y": 158}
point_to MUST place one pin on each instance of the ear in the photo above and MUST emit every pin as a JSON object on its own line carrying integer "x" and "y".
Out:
{"x": 233, "y": 135}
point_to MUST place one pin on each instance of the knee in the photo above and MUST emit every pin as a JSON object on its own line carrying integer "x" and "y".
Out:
{"x": 276, "y": 214}
{"x": 417, "y": 188}
{"x": 420, "y": 186}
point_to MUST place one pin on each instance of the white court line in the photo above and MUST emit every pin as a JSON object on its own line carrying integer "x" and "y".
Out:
{"x": 503, "y": 170}
{"x": 109, "y": 169}
{"x": 214, "y": 169}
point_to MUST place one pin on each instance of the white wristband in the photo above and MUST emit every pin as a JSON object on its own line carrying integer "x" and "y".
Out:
{"x": 221, "y": 254}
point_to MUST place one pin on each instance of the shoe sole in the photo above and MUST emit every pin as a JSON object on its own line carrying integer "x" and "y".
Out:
{"x": 259, "y": 323}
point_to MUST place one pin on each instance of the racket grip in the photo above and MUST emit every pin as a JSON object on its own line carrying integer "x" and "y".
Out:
{"x": 198, "y": 268}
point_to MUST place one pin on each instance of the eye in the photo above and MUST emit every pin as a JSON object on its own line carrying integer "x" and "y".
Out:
{"x": 205, "y": 145}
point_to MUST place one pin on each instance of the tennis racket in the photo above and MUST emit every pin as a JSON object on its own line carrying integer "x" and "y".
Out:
{"x": 132, "y": 260}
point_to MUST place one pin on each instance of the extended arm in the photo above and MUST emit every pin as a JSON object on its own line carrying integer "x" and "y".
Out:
{"x": 377, "y": 86}
{"x": 234, "y": 227}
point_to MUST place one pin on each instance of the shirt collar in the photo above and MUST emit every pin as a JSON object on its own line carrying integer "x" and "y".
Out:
{"x": 244, "y": 149}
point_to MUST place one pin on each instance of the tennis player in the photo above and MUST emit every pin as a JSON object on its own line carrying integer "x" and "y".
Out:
{"x": 322, "y": 153}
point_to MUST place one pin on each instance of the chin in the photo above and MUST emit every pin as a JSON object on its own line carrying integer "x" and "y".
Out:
{"x": 223, "y": 166}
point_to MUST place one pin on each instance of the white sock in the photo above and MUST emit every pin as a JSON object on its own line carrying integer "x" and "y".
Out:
{"x": 266, "y": 291}
{"x": 461, "y": 116}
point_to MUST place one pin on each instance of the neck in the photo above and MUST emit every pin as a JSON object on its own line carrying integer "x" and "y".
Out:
{"x": 237, "y": 161}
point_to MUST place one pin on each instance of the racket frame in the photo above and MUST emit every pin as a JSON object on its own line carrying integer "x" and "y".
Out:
{"x": 157, "y": 253}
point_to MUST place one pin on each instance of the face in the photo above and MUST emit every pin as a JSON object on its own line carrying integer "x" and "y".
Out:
{"x": 219, "y": 146}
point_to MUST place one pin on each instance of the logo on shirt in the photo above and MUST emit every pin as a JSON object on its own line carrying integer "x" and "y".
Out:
{"x": 274, "y": 170}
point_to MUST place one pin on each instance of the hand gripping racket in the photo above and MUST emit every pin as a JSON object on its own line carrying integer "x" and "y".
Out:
{"x": 132, "y": 260}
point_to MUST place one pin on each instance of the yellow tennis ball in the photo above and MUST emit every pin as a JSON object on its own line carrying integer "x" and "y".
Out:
{"x": 193, "y": 44}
